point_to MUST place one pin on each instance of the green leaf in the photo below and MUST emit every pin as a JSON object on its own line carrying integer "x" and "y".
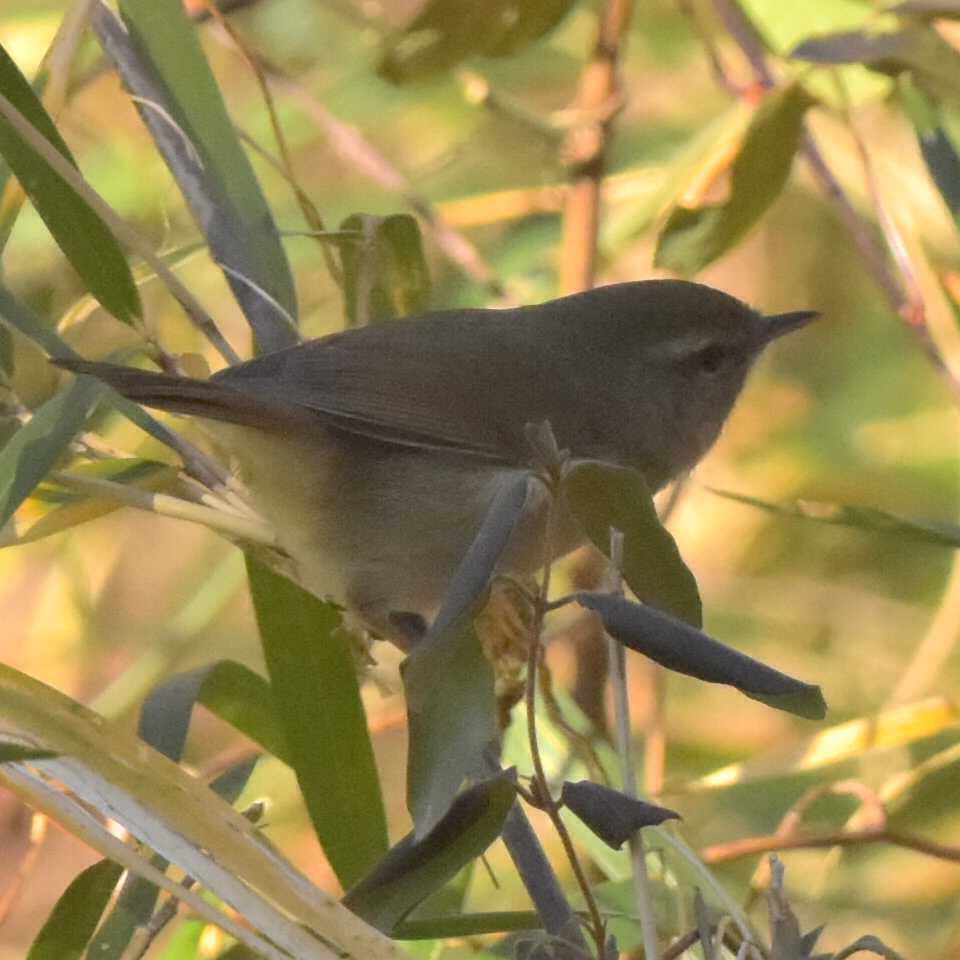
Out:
{"x": 678, "y": 646}
{"x": 34, "y": 449}
{"x": 385, "y": 274}
{"x": 229, "y": 689}
{"x": 693, "y": 238}
{"x": 467, "y": 925}
{"x": 603, "y": 496}
{"x": 161, "y": 61}
{"x": 444, "y": 32}
{"x": 315, "y": 689}
{"x": 81, "y": 234}
{"x": 245, "y": 700}
{"x": 415, "y": 868}
{"x": 860, "y": 518}
{"x": 74, "y": 919}
{"x": 449, "y": 683}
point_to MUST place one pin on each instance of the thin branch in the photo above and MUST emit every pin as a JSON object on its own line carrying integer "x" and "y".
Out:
{"x": 586, "y": 147}
{"x": 754, "y": 846}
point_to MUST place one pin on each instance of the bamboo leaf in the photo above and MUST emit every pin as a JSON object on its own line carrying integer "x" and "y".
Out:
{"x": 81, "y": 234}
{"x": 161, "y": 62}
{"x": 603, "y": 496}
{"x": 76, "y": 914}
{"x": 317, "y": 697}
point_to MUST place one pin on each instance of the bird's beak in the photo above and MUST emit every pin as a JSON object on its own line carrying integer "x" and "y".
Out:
{"x": 777, "y": 324}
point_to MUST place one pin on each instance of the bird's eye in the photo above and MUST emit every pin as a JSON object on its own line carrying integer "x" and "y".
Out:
{"x": 710, "y": 359}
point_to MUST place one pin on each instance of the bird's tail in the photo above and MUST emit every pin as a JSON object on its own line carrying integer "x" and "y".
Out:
{"x": 200, "y": 398}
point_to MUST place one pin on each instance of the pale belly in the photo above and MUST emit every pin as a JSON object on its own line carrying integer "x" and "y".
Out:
{"x": 378, "y": 530}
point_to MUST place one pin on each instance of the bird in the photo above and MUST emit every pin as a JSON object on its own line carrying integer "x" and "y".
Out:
{"x": 376, "y": 452}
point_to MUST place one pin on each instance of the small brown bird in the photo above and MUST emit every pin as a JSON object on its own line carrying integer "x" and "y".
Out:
{"x": 376, "y": 452}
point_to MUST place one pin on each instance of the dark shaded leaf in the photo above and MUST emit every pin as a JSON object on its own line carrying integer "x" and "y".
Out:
{"x": 84, "y": 238}
{"x": 385, "y": 274}
{"x": 860, "y": 518}
{"x": 70, "y": 926}
{"x": 936, "y": 145}
{"x": 36, "y": 447}
{"x": 317, "y": 696}
{"x": 161, "y": 62}
{"x": 444, "y": 32}
{"x": 678, "y": 646}
{"x": 603, "y": 496}
{"x": 809, "y": 940}
{"x": 693, "y": 238}
{"x": 229, "y": 689}
{"x": 868, "y": 944}
{"x": 786, "y": 940}
{"x": 415, "y": 868}
{"x": 19, "y": 753}
{"x": 611, "y": 815}
{"x": 934, "y": 64}
{"x": 451, "y": 707}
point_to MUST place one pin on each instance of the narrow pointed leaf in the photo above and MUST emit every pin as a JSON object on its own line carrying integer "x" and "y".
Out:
{"x": 314, "y": 682}
{"x": 230, "y": 689}
{"x": 34, "y": 449}
{"x": 84, "y": 238}
{"x": 70, "y": 926}
{"x": 161, "y": 62}
{"x": 613, "y": 816}
{"x": 692, "y": 238}
{"x": 605, "y": 496}
{"x": 449, "y": 683}
{"x": 415, "y": 868}
{"x": 678, "y": 646}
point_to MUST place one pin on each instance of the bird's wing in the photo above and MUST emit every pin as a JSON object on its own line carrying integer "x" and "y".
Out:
{"x": 432, "y": 387}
